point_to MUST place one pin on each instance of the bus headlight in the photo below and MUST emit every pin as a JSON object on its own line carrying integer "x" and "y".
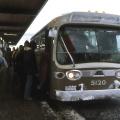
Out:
{"x": 59, "y": 75}
{"x": 73, "y": 74}
{"x": 117, "y": 74}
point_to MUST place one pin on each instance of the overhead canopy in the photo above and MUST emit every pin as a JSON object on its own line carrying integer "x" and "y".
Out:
{"x": 16, "y": 16}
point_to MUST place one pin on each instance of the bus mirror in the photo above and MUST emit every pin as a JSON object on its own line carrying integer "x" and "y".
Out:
{"x": 52, "y": 33}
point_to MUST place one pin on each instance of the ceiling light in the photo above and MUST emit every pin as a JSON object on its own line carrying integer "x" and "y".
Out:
{"x": 10, "y": 34}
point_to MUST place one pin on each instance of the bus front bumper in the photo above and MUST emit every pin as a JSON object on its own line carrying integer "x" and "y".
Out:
{"x": 87, "y": 94}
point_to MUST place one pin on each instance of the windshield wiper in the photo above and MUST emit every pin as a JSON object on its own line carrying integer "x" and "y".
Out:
{"x": 73, "y": 62}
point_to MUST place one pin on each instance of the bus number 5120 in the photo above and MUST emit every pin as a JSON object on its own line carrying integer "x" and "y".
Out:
{"x": 98, "y": 82}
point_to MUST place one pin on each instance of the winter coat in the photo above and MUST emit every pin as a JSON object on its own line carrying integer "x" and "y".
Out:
{"x": 19, "y": 62}
{"x": 3, "y": 61}
{"x": 29, "y": 61}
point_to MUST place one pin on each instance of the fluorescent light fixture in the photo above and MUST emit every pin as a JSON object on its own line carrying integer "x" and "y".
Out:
{"x": 10, "y": 34}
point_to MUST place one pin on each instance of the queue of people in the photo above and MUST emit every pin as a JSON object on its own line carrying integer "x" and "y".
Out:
{"x": 24, "y": 66}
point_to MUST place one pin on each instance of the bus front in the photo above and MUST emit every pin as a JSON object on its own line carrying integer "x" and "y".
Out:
{"x": 87, "y": 62}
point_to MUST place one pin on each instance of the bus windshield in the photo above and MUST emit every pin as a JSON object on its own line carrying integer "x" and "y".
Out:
{"x": 87, "y": 44}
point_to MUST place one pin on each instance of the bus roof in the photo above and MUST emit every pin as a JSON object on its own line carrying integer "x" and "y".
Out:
{"x": 83, "y": 17}
{"x": 86, "y": 17}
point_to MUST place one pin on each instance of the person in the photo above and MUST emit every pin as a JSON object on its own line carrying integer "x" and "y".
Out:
{"x": 20, "y": 70}
{"x": 8, "y": 56}
{"x": 3, "y": 75}
{"x": 3, "y": 61}
{"x": 35, "y": 72}
{"x": 13, "y": 71}
{"x": 14, "y": 52}
{"x": 29, "y": 70}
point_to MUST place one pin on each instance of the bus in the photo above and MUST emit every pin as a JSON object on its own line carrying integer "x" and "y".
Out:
{"x": 78, "y": 56}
